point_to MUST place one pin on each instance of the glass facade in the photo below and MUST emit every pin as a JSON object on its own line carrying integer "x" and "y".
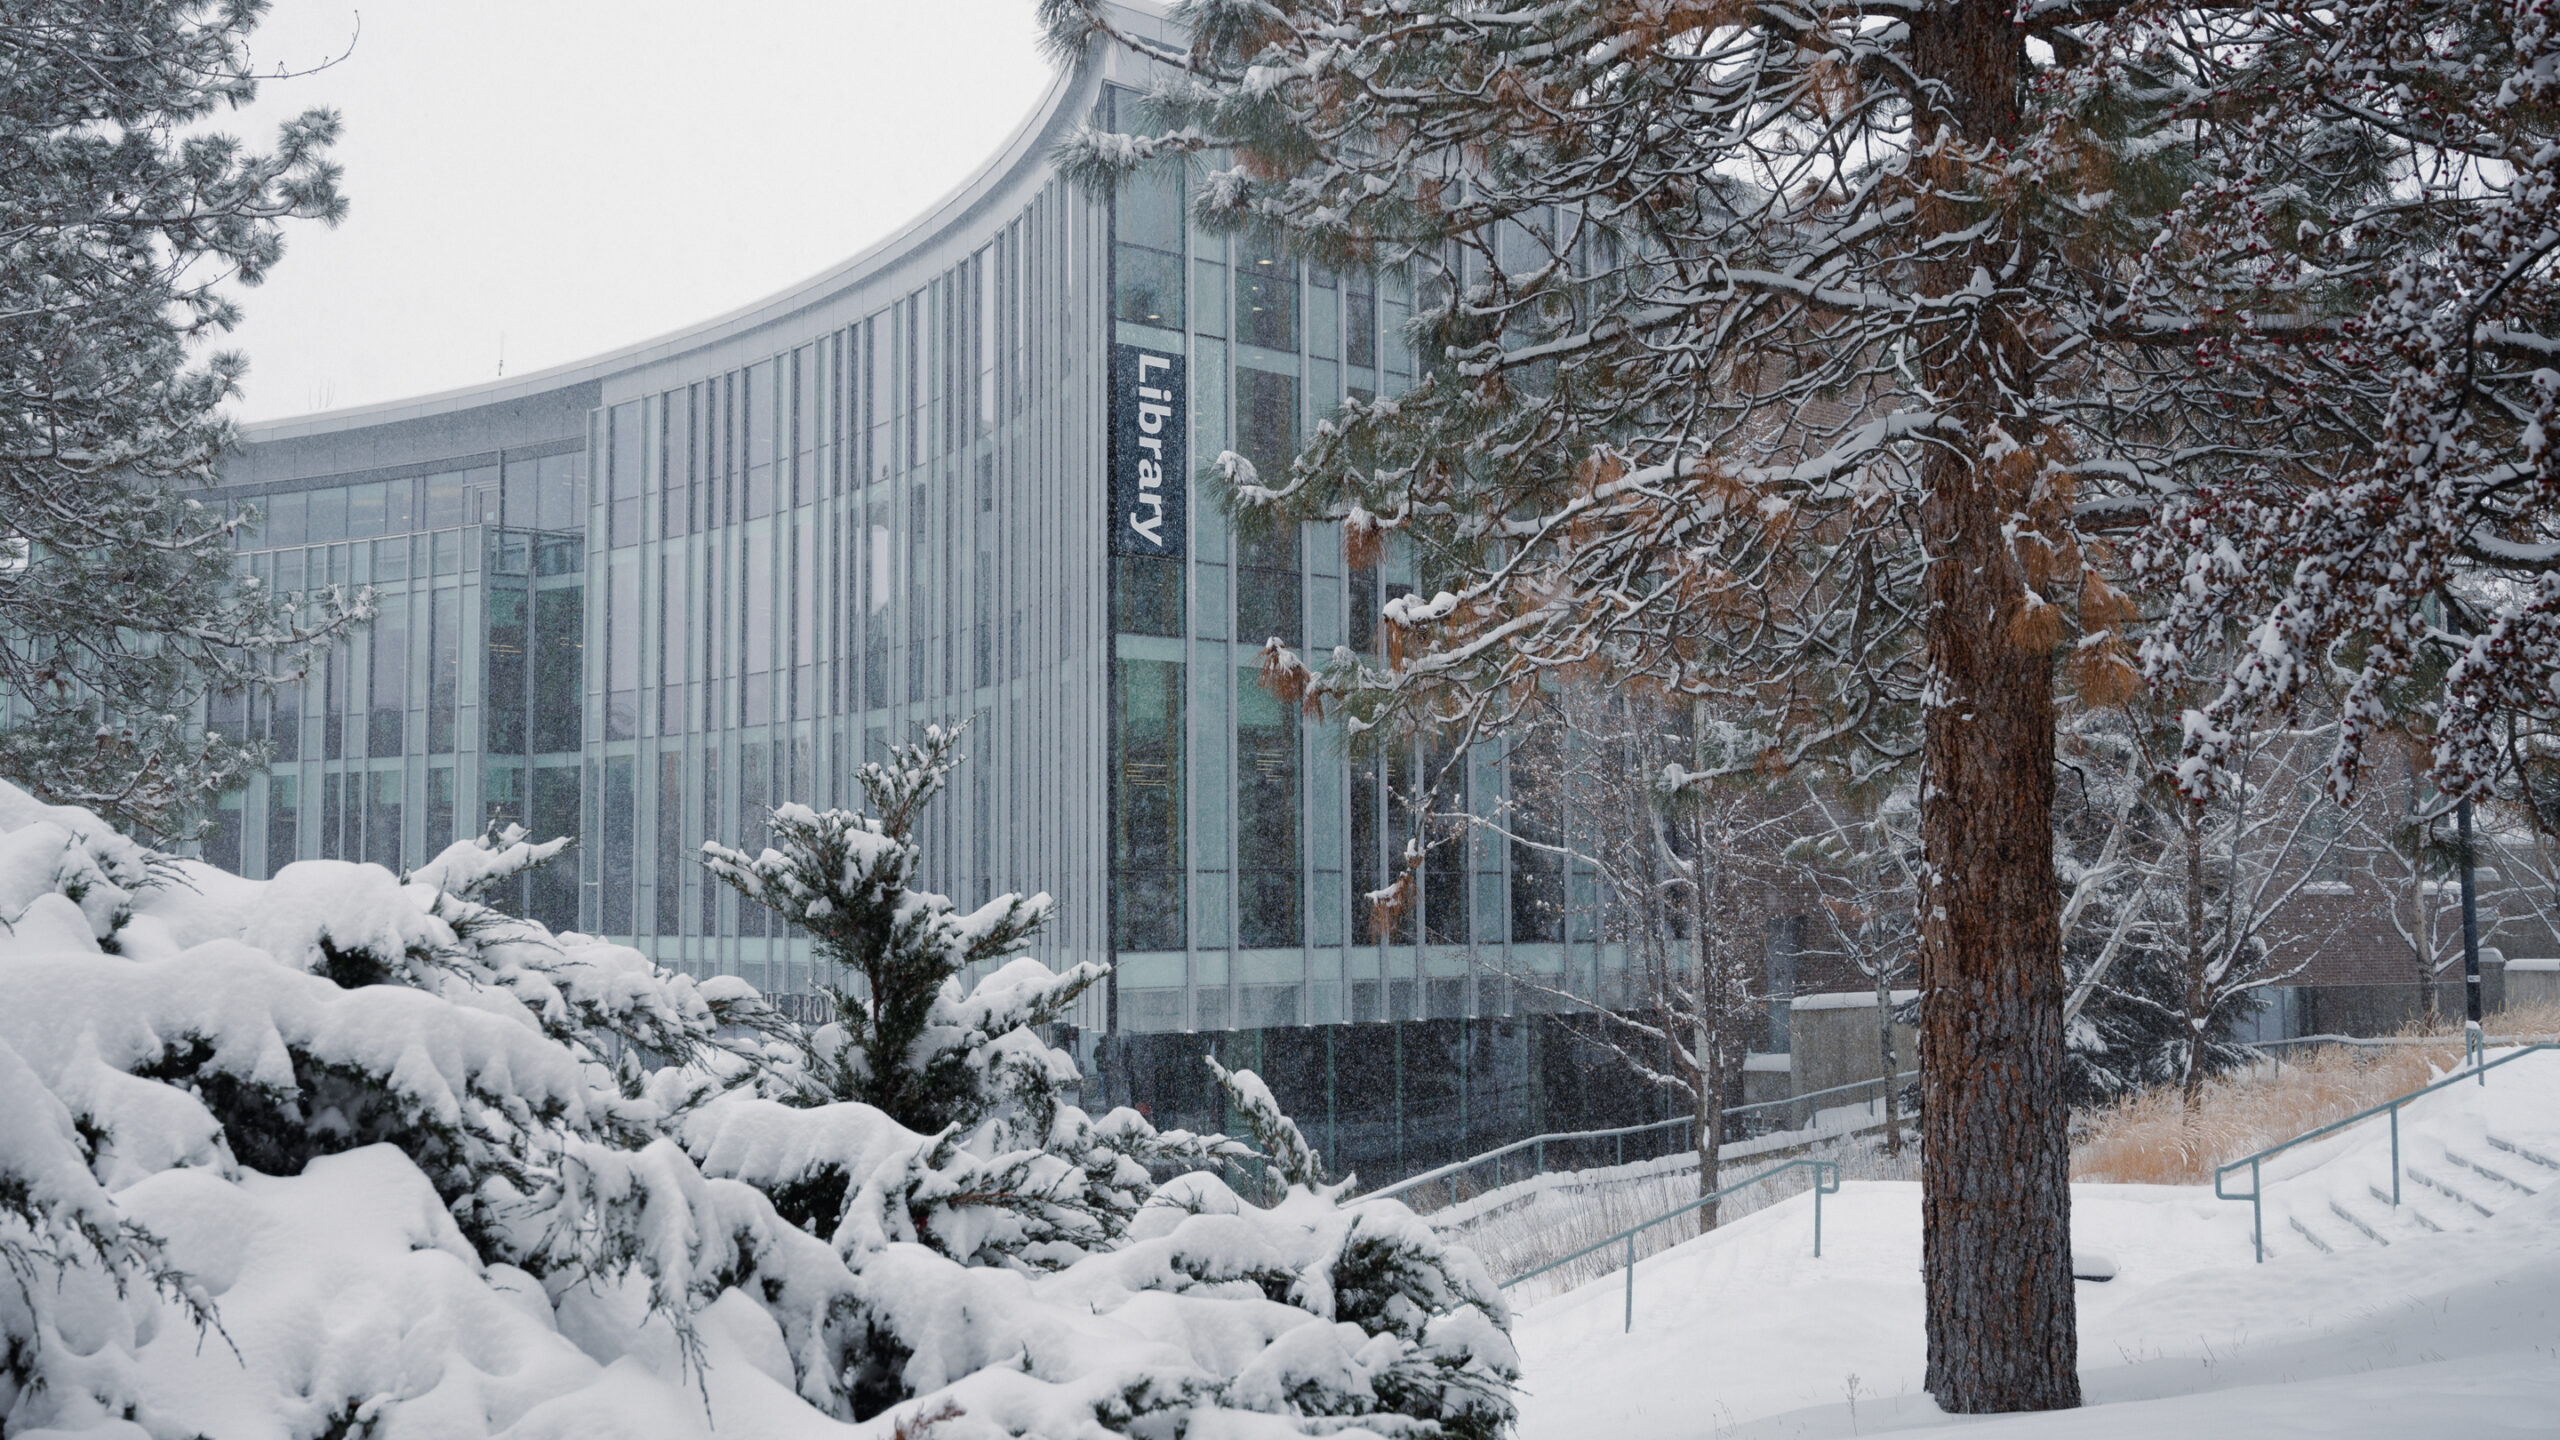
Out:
{"x": 641, "y": 600}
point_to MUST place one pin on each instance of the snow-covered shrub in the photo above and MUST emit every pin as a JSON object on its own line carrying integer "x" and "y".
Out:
{"x": 343, "y": 1154}
{"x": 1048, "y": 1183}
{"x": 905, "y": 1038}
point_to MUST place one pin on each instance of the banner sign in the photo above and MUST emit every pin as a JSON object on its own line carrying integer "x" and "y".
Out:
{"x": 1150, "y": 461}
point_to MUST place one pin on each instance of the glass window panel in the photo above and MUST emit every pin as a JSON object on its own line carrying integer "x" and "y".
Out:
{"x": 333, "y": 814}
{"x": 1268, "y": 908}
{"x": 1268, "y": 598}
{"x": 804, "y": 415}
{"x": 365, "y": 505}
{"x": 1148, "y": 208}
{"x": 503, "y": 669}
{"x": 328, "y": 516}
{"x": 1209, "y": 766}
{"x": 671, "y": 865}
{"x": 1267, "y": 421}
{"x": 337, "y": 676}
{"x": 620, "y": 817}
{"x": 755, "y": 796}
{"x": 1149, "y": 847}
{"x": 284, "y": 720}
{"x": 222, "y": 837}
{"x": 758, "y": 579}
{"x": 382, "y": 819}
{"x": 558, "y": 666}
{"x": 706, "y": 821}
{"x": 518, "y": 487}
{"x": 552, "y": 890}
{"x": 805, "y": 591}
{"x": 1209, "y": 284}
{"x": 622, "y": 655}
{"x": 1266, "y": 295}
{"x": 1147, "y": 287}
{"x": 284, "y": 822}
{"x": 755, "y": 400}
{"x": 287, "y": 517}
{"x": 444, "y": 669}
{"x": 562, "y": 504}
{"x": 1444, "y": 865}
{"x": 440, "y": 810}
{"x": 623, "y": 449}
{"x": 1325, "y": 911}
{"x": 1209, "y": 600}
{"x": 1324, "y": 324}
{"x": 1211, "y": 911}
{"x": 1360, "y": 329}
{"x": 444, "y": 500}
{"x": 1148, "y": 595}
{"x": 390, "y": 679}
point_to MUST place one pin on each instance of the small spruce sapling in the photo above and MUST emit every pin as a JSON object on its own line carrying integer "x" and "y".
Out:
{"x": 905, "y": 1039}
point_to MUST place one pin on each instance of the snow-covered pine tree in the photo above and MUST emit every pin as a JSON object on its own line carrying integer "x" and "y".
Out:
{"x": 905, "y": 1038}
{"x": 391, "y": 1144}
{"x": 2366, "y": 271}
{"x": 121, "y": 605}
{"x": 1774, "y": 355}
{"x": 965, "y": 1066}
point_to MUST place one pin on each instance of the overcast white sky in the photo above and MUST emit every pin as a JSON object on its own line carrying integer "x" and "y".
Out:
{"x": 548, "y": 179}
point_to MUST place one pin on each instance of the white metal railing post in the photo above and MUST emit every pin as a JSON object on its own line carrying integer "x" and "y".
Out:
{"x": 1631, "y": 1286}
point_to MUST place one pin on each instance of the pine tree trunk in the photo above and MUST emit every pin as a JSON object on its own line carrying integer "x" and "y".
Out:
{"x": 1995, "y": 1156}
{"x": 1995, "y": 1159}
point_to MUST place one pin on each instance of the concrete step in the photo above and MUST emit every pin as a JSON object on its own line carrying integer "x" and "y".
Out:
{"x": 2530, "y": 1154}
{"x": 2501, "y": 1176}
{"x": 2408, "y": 1210}
{"x": 2314, "y": 1236}
{"x": 2339, "y": 1209}
{"x": 2432, "y": 1181}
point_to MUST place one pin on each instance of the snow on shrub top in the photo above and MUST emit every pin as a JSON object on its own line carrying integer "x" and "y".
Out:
{"x": 338, "y": 1153}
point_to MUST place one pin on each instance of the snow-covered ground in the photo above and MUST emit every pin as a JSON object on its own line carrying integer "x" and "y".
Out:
{"x": 1745, "y": 1333}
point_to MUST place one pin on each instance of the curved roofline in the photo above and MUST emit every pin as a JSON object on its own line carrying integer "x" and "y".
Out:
{"x": 955, "y": 204}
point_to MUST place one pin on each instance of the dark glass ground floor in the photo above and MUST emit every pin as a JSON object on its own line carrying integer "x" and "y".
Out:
{"x": 1394, "y": 1099}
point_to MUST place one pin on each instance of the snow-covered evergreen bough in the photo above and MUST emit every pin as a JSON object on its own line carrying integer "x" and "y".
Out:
{"x": 344, "y": 1153}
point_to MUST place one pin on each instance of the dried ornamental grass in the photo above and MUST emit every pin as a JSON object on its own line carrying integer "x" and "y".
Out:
{"x": 2154, "y": 1138}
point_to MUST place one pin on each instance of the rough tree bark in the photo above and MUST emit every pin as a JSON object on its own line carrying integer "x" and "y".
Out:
{"x": 1995, "y": 1159}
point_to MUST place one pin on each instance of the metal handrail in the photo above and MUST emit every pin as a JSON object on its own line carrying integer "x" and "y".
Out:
{"x": 1538, "y": 1143}
{"x": 1826, "y": 1181}
{"x": 2395, "y": 1041}
{"x": 2257, "y": 1186}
